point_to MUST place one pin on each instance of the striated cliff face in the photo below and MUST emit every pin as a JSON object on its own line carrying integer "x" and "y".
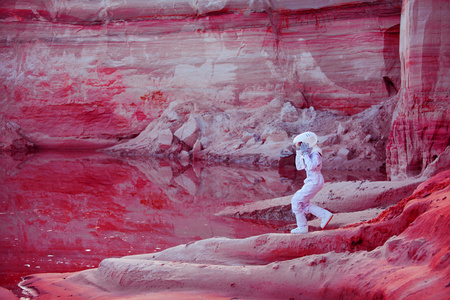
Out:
{"x": 89, "y": 75}
{"x": 196, "y": 77}
{"x": 421, "y": 130}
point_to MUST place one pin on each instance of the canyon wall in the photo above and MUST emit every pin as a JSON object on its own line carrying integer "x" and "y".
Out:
{"x": 420, "y": 132}
{"x": 78, "y": 74}
{"x": 93, "y": 75}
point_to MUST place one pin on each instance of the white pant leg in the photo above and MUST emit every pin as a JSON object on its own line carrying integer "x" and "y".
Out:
{"x": 301, "y": 198}
{"x": 301, "y": 219}
{"x": 318, "y": 211}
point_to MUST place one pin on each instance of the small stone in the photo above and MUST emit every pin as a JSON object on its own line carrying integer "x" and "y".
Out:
{"x": 184, "y": 157}
{"x": 344, "y": 153}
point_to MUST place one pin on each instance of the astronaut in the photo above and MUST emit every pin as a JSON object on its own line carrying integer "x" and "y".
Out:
{"x": 309, "y": 158}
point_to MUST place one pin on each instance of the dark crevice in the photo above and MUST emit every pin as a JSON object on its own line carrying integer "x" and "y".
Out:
{"x": 390, "y": 87}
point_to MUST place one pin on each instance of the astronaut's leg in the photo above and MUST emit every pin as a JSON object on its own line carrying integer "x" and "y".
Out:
{"x": 298, "y": 208}
{"x": 321, "y": 213}
{"x": 301, "y": 219}
{"x": 302, "y": 225}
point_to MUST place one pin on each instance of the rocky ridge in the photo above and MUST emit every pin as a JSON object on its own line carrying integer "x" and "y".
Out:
{"x": 192, "y": 131}
{"x": 400, "y": 254}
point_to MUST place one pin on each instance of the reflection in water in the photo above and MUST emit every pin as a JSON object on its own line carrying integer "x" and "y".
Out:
{"x": 63, "y": 212}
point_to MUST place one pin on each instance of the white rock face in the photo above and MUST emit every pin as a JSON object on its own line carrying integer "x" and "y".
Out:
{"x": 344, "y": 153}
{"x": 188, "y": 133}
{"x": 289, "y": 113}
{"x": 165, "y": 138}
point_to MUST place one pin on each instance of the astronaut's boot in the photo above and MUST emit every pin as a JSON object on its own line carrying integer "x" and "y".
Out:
{"x": 324, "y": 222}
{"x": 303, "y": 229}
{"x": 324, "y": 214}
{"x": 302, "y": 225}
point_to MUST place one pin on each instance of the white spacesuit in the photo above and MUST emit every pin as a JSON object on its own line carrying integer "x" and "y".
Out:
{"x": 308, "y": 157}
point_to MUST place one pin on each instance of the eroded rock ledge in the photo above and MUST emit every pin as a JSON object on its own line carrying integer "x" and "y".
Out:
{"x": 365, "y": 199}
{"x": 401, "y": 253}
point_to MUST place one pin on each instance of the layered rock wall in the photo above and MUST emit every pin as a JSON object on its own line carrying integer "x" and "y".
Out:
{"x": 90, "y": 75}
{"x": 421, "y": 130}
{"x": 79, "y": 74}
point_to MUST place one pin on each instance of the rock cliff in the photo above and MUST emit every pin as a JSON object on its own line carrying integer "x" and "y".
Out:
{"x": 91, "y": 75}
{"x": 420, "y": 132}
{"x": 95, "y": 75}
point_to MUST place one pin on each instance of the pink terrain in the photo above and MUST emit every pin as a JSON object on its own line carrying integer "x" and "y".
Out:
{"x": 175, "y": 94}
{"x": 401, "y": 254}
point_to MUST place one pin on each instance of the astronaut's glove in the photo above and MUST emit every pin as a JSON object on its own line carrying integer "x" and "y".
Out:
{"x": 304, "y": 148}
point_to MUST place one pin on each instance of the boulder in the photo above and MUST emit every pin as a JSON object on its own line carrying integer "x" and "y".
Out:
{"x": 344, "y": 153}
{"x": 289, "y": 113}
{"x": 273, "y": 136}
{"x": 188, "y": 133}
{"x": 12, "y": 138}
{"x": 196, "y": 149}
{"x": 165, "y": 138}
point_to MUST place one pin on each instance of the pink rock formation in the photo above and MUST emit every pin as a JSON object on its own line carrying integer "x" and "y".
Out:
{"x": 13, "y": 140}
{"x": 78, "y": 74}
{"x": 421, "y": 130}
{"x": 175, "y": 77}
{"x": 403, "y": 253}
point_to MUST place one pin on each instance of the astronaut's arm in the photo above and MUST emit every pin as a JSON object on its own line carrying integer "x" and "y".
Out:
{"x": 312, "y": 160}
{"x": 299, "y": 162}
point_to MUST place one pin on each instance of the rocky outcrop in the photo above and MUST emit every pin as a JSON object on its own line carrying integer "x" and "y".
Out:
{"x": 365, "y": 196}
{"x": 403, "y": 253}
{"x": 421, "y": 129}
{"x": 12, "y": 139}
{"x": 256, "y": 136}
